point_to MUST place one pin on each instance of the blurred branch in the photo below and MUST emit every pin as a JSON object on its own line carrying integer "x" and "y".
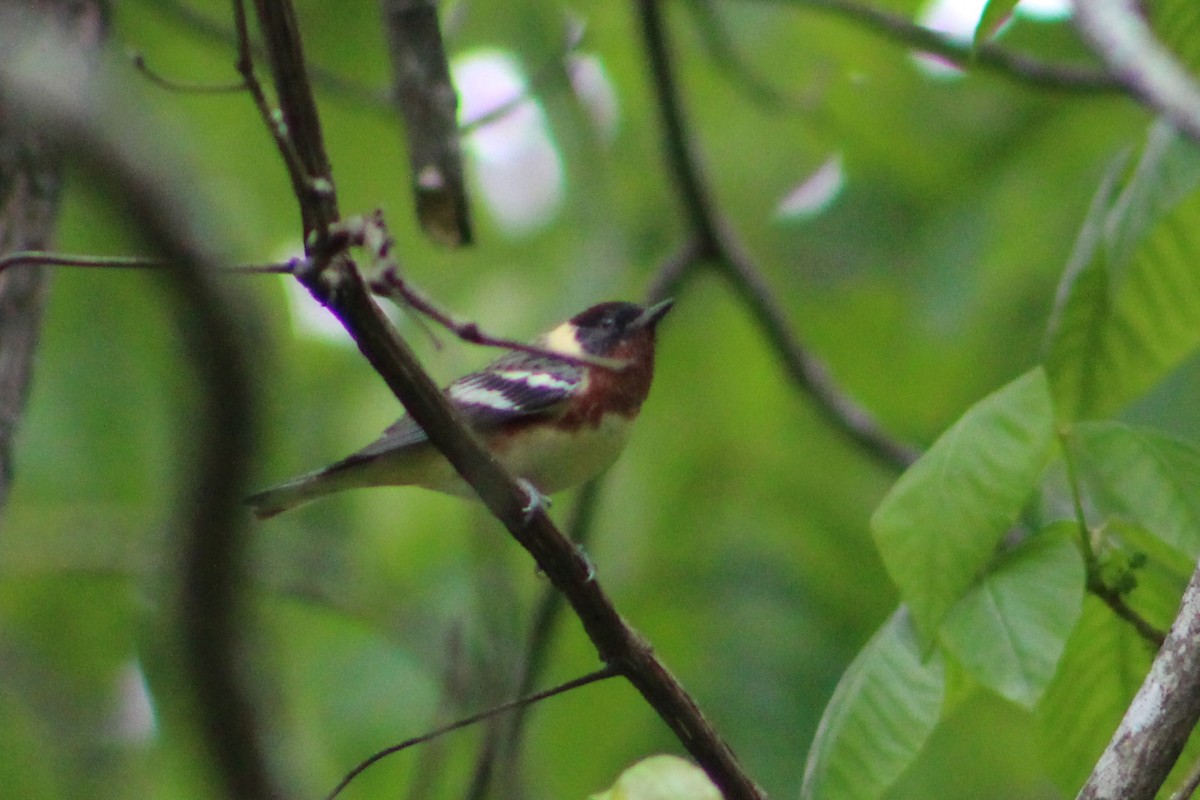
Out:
{"x": 138, "y": 61}
{"x": 46, "y": 258}
{"x": 1161, "y": 717}
{"x": 428, "y": 103}
{"x": 1120, "y": 36}
{"x": 713, "y": 243}
{"x": 30, "y": 178}
{"x": 674, "y": 270}
{"x": 336, "y": 283}
{"x": 986, "y": 56}
{"x": 30, "y": 185}
{"x": 87, "y": 121}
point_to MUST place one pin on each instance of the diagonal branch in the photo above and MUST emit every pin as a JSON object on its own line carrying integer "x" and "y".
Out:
{"x": 1161, "y": 717}
{"x": 340, "y": 287}
{"x": 986, "y": 56}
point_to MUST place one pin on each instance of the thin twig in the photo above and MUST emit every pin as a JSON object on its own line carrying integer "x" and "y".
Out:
{"x": 139, "y": 63}
{"x": 592, "y": 677}
{"x": 1116, "y": 602}
{"x": 390, "y": 284}
{"x": 370, "y": 231}
{"x": 334, "y": 85}
{"x": 43, "y": 258}
{"x": 304, "y": 181}
{"x": 987, "y": 55}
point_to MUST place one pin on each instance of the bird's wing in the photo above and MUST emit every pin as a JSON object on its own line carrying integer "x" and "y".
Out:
{"x": 517, "y": 386}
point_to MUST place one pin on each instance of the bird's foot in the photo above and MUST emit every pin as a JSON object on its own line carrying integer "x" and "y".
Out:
{"x": 536, "y": 500}
{"x": 587, "y": 560}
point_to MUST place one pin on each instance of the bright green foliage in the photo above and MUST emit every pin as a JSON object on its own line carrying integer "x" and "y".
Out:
{"x": 1102, "y": 666}
{"x": 885, "y": 707}
{"x": 1129, "y": 309}
{"x": 1145, "y": 477}
{"x": 1010, "y": 629}
{"x": 939, "y": 526}
{"x": 662, "y": 778}
{"x": 735, "y": 531}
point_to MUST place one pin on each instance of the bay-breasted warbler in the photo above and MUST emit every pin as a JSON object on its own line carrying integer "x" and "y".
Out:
{"x": 551, "y": 422}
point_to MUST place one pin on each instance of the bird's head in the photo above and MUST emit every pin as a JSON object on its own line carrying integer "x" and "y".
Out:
{"x": 610, "y": 330}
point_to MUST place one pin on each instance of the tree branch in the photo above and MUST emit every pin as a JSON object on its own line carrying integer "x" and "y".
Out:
{"x": 340, "y": 287}
{"x": 30, "y": 184}
{"x": 987, "y": 55}
{"x": 1161, "y": 717}
{"x": 428, "y": 103}
{"x": 1121, "y": 37}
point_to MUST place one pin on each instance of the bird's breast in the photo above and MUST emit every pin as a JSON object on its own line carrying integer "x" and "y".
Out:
{"x": 555, "y": 457}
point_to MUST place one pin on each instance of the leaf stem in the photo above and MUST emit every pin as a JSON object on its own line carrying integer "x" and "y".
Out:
{"x": 1085, "y": 534}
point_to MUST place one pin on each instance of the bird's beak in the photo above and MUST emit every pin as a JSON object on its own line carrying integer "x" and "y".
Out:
{"x": 651, "y": 316}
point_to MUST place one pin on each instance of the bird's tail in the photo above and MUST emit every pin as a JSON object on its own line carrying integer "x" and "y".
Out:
{"x": 347, "y": 474}
{"x": 286, "y": 496}
{"x": 422, "y": 466}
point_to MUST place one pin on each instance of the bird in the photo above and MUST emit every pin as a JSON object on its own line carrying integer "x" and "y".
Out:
{"x": 552, "y": 422}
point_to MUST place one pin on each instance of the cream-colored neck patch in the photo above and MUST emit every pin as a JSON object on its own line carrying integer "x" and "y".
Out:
{"x": 562, "y": 339}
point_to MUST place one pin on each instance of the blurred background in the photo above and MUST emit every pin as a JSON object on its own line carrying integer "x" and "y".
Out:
{"x": 913, "y": 220}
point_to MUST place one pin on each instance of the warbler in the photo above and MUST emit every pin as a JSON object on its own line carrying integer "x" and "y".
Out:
{"x": 552, "y": 422}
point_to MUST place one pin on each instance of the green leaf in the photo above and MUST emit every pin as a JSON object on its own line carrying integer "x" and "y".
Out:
{"x": 883, "y": 711}
{"x": 1010, "y": 630}
{"x": 940, "y": 524}
{"x": 1082, "y": 310}
{"x": 662, "y": 777}
{"x": 995, "y": 14}
{"x": 1129, "y": 306}
{"x": 1102, "y": 667}
{"x": 1144, "y": 476}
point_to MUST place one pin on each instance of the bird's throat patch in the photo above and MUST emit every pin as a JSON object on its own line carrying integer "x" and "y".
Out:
{"x": 562, "y": 340}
